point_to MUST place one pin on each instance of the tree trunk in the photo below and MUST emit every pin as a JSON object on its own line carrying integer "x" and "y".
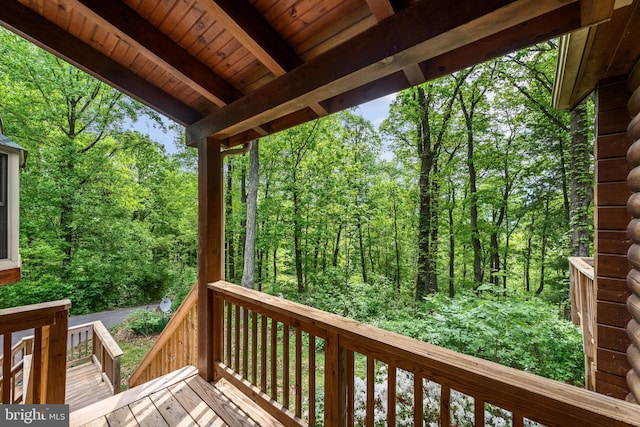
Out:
{"x": 231, "y": 270}
{"x": 248, "y": 280}
{"x": 543, "y": 248}
{"x": 424, "y": 284}
{"x": 363, "y": 262}
{"x": 452, "y": 242}
{"x": 336, "y": 249}
{"x": 396, "y": 242}
{"x": 581, "y": 186}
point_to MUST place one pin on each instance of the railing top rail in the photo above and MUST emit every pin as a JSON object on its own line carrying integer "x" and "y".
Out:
{"x": 583, "y": 264}
{"x": 538, "y": 398}
{"x": 31, "y": 316}
{"x": 107, "y": 340}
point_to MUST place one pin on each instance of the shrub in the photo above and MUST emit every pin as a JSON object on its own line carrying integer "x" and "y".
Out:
{"x": 144, "y": 322}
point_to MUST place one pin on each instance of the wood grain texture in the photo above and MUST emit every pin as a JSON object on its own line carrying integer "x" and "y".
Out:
{"x": 182, "y": 320}
{"x": 513, "y": 390}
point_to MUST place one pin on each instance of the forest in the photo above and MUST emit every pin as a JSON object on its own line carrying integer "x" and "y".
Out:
{"x": 451, "y": 221}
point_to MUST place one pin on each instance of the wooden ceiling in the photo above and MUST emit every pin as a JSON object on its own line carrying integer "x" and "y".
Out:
{"x": 236, "y": 70}
{"x": 595, "y": 53}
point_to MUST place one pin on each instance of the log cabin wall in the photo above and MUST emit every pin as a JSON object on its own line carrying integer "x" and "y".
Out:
{"x": 611, "y": 241}
{"x": 633, "y": 205}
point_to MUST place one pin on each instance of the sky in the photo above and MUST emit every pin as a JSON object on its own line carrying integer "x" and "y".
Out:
{"x": 375, "y": 111}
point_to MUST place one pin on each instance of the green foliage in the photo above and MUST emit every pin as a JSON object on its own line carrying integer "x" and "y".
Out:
{"x": 516, "y": 330}
{"x": 143, "y": 322}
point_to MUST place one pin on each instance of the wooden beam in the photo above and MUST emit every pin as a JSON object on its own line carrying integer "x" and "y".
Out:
{"x": 251, "y": 29}
{"x": 418, "y": 33}
{"x": 595, "y": 12}
{"x": 25, "y": 22}
{"x": 118, "y": 18}
{"x": 525, "y": 34}
{"x": 382, "y": 9}
{"x": 210, "y": 246}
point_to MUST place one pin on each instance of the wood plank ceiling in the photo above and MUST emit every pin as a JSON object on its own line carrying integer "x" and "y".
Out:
{"x": 236, "y": 70}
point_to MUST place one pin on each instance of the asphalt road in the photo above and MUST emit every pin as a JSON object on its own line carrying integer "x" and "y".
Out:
{"x": 108, "y": 318}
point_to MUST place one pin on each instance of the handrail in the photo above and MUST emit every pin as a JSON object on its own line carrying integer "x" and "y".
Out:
{"x": 48, "y": 373}
{"x": 105, "y": 352}
{"x": 86, "y": 342}
{"x": 267, "y": 346}
{"x": 582, "y": 293}
{"x": 176, "y": 347}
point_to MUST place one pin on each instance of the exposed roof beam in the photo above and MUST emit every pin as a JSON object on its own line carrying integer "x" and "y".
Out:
{"x": 522, "y": 35}
{"x": 43, "y": 33}
{"x": 421, "y": 32}
{"x": 382, "y": 9}
{"x": 118, "y": 18}
{"x": 250, "y": 28}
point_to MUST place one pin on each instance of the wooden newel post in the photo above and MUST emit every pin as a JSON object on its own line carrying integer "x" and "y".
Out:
{"x": 210, "y": 247}
{"x": 335, "y": 382}
{"x": 57, "y": 359}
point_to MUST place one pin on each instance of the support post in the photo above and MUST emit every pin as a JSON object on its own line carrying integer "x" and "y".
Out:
{"x": 57, "y": 359}
{"x": 210, "y": 246}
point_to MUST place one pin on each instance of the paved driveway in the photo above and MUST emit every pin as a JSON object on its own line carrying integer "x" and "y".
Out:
{"x": 108, "y": 318}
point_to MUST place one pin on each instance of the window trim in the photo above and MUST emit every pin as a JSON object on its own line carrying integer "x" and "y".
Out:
{"x": 13, "y": 259}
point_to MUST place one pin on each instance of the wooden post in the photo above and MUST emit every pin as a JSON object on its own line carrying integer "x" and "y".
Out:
{"x": 335, "y": 384}
{"x": 210, "y": 246}
{"x": 57, "y": 359}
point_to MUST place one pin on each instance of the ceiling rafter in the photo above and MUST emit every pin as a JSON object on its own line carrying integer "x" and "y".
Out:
{"x": 525, "y": 34}
{"x": 400, "y": 40}
{"x": 118, "y": 18}
{"x": 383, "y": 9}
{"x": 250, "y": 28}
{"x": 38, "y": 30}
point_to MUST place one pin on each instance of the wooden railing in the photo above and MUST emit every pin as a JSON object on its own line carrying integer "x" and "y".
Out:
{"x": 92, "y": 342}
{"x": 308, "y": 367}
{"x": 47, "y": 377}
{"x": 176, "y": 347}
{"x": 583, "y": 312}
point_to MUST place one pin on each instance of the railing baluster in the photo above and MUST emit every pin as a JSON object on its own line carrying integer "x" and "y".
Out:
{"x": 229, "y": 308}
{"x": 350, "y": 374}
{"x": 6, "y": 369}
{"x": 298, "y": 365}
{"x": 245, "y": 342}
{"x": 285, "y": 365}
{"x": 518, "y": 419}
{"x": 478, "y": 410}
{"x": 371, "y": 380}
{"x": 263, "y": 353}
{"x": 254, "y": 347}
{"x": 445, "y": 405}
{"x": 418, "y": 404}
{"x": 36, "y": 366}
{"x": 274, "y": 359}
{"x": 312, "y": 380}
{"x": 391, "y": 396}
{"x": 236, "y": 339}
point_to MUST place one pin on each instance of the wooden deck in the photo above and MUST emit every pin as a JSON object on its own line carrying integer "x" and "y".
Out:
{"x": 179, "y": 398}
{"x": 85, "y": 386}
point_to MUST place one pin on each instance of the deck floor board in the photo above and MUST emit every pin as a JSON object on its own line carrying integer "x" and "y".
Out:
{"x": 85, "y": 386}
{"x": 183, "y": 400}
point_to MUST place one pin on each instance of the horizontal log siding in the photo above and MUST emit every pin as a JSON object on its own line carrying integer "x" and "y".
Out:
{"x": 611, "y": 241}
{"x": 633, "y": 158}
